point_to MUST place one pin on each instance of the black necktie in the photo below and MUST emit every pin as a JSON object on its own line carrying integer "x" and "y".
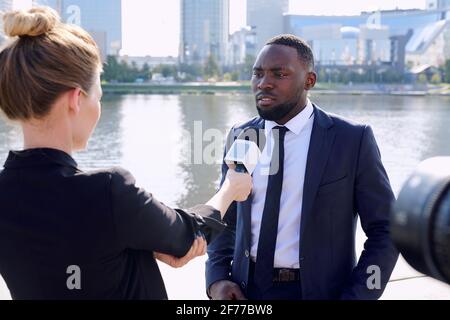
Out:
{"x": 269, "y": 225}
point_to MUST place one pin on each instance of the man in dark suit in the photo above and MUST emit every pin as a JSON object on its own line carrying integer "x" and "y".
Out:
{"x": 295, "y": 236}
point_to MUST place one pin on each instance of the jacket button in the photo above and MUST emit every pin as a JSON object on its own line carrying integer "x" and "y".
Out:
{"x": 247, "y": 254}
{"x": 243, "y": 285}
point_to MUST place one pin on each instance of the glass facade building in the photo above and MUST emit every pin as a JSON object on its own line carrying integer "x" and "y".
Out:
{"x": 371, "y": 37}
{"x": 204, "y": 30}
{"x": 101, "y": 18}
{"x": 5, "y": 5}
{"x": 265, "y": 17}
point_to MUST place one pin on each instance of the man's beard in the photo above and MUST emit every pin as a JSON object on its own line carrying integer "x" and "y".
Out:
{"x": 277, "y": 112}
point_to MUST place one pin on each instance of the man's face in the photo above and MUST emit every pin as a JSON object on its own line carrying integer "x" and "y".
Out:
{"x": 280, "y": 82}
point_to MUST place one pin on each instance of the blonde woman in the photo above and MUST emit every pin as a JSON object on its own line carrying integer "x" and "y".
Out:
{"x": 66, "y": 233}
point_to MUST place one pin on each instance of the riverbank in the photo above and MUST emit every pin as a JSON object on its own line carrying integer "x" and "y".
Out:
{"x": 244, "y": 88}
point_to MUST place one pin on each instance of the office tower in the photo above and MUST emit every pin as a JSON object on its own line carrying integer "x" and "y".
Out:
{"x": 5, "y": 5}
{"x": 266, "y": 18}
{"x": 101, "y": 18}
{"x": 438, "y": 4}
{"x": 204, "y": 30}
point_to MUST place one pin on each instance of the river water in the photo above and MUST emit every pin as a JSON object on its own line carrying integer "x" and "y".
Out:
{"x": 173, "y": 145}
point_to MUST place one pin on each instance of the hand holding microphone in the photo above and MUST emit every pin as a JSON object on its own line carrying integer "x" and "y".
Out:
{"x": 244, "y": 154}
{"x": 238, "y": 184}
{"x": 242, "y": 159}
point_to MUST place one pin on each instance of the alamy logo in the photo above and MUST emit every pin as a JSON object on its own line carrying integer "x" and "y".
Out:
{"x": 374, "y": 20}
{"x": 74, "y": 280}
{"x": 374, "y": 280}
{"x": 74, "y": 15}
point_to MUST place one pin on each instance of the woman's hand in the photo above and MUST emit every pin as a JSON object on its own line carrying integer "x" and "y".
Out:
{"x": 239, "y": 185}
{"x": 236, "y": 187}
{"x": 198, "y": 249}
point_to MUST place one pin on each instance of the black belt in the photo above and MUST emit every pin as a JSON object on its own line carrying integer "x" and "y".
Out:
{"x": 280, "y": 274}
{"x": 286, "y": 275}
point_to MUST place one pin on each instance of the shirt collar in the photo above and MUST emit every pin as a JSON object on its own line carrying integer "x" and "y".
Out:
{"x": 39, "y": 157}
{"x": 296, "y": 124}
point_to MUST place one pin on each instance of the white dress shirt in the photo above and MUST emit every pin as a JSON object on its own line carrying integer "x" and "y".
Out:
{"x": 296, "y": 152}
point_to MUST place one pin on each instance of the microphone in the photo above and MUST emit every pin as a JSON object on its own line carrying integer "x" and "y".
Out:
{"x": 245, "y": 152}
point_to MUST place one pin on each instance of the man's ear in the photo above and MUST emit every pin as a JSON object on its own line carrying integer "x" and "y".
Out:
{"x": 74, "y": 97}
{"x": 311, "y": 79}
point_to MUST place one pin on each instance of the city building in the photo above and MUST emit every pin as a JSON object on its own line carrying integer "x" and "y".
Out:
{"x": 438, "y": 4}
{"x": 398, "y": 51}
{"x": 204, "y": 30}
{"x": 332, "y": 44}
{"x": 429, "y": 45}
{"x": 5, "y": 5}
{"x": 148, "y": 60}
{"x": 266, "y": 18}
{"x": 242, "y": 45}
{"x": 391, "y": 36}
{"x": 101, "y": 18}
{"x": 374, "y": 44}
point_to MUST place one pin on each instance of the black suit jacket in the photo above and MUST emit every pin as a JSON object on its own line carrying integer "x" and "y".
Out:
{"x": 53, "y": 216}
{"x": 344, "y": 179}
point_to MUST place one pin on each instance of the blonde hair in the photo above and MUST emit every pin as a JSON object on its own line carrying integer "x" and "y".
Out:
{"x": 46, "y": 59}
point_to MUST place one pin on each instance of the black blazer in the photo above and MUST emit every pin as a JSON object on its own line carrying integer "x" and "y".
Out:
{"x": 53, "y": 216}
{"x": 344, "y": 179}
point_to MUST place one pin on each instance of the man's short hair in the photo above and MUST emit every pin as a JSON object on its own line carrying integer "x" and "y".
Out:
{"x": 304, "y": 51}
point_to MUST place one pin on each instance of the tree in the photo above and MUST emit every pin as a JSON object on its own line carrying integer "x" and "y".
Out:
{"x": 122, "y": 72}
{"x": 247, "y": 68}
{"x": 191, "y": 71}
{"x": 447, "y": 71}
{"x": 166, "y": 70}
{"x": 111, "y": 69}
{"x": 146, "y": 73}
{"x": 436, "y": 78}
{"x": 211, "y": 68}
{"x": 422, "y": 78}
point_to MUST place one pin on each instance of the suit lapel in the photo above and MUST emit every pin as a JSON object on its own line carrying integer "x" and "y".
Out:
{"x": 246, "y": 207}
{"x": 322, "y": 139}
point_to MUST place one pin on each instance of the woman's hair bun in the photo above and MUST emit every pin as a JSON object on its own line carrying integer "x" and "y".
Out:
{"x": 31, "y": 23}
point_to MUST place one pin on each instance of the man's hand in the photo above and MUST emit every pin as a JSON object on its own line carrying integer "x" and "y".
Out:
{"x": 226, "y": 290}
{"x": 198, "y": 249}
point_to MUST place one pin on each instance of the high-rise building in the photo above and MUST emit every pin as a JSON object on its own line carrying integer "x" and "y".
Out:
{"x": 5, "y": 5}
{"x": 204, "y": 30}
{"x": 266, "y": 18}
{"x": 438, "y": 4}
{"x": 101, "y": 18}
{"x": 241, "y": 46}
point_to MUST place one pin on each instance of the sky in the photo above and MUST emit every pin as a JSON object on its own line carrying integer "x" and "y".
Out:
{"x": 144, "y": 20}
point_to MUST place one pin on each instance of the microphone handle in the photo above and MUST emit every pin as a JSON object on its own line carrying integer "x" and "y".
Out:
{"x": 240, "y": 168}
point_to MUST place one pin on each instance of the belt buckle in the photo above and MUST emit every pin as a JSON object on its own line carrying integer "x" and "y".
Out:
{"x": 285, "y": 275}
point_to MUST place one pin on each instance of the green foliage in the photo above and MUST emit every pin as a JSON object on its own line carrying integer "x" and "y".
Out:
{"x": 348, "y": 75}
{"x": 447, "y": 71}
{"x": 422, "y": 78}
{"x": 212, "y": 69}
{"x": 436, "y": 78}
{"x": 192, "y": 72}
{"x": 166, "y": 70}
{"x": 115, "y": 71}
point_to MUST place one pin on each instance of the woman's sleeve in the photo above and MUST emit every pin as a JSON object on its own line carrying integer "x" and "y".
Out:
{"x": 144, "y": 223}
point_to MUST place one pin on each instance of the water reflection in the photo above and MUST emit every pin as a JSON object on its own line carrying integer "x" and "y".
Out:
{"x": 408, "y": 129}
{"x": 105, "y": 147}
{"x": 200, "y": 114}
{"x": 149, "y": 135}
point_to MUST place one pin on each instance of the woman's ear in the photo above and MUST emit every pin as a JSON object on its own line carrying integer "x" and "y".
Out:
{"x": 74, "y": 97}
